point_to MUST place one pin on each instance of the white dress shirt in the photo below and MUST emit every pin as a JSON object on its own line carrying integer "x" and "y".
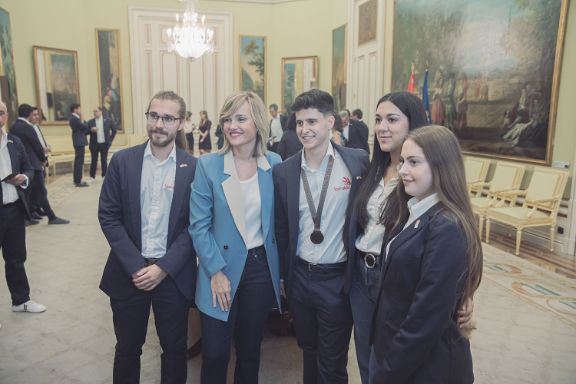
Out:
{"x": 371, "y": 240}
{"x": 331, "y": 250}
{"x": 276, "y": 129}
{"x": 156, "y": 192}
{"x": 40, "y": 137}
{"x": 9, "y": 192}
{"x": 100, "y": 130}
{"x": 253, "y": 211}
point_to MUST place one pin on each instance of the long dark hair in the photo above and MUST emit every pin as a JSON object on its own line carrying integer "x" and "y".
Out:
{"x": 442, "y": 151}
{"x": 412, "y": 107}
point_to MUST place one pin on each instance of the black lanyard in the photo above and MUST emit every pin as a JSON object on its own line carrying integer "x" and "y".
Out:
{"x": 317, "y": 237}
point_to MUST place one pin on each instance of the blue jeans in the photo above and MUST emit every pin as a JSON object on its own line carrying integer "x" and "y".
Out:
{"x": 363, "y": 295}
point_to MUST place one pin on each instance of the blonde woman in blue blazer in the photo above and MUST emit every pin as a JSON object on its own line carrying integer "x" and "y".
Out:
{"x": 232, "y": 228}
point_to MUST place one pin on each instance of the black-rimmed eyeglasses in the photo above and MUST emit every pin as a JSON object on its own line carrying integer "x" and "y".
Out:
{"x": 167, "y": 120}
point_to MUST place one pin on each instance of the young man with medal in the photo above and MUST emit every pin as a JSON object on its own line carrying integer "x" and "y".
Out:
{"x": 312, "y": 190}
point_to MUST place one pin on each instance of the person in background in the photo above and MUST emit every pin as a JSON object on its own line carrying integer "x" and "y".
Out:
{"x": 37, "y": 151}
{"x": 232, "y": 228}
{"x": 220, "y": 135}
{"x": 355, "y": 134}
{"x": 397, "y": 114}
{"x": 277, "y": 127}
{"x": 79, "y": 132}
{"x": 289, "y": 143}
{"x": 189, "y": 128}
{"x": 16, "y": 175}
{"x": 143, "y": 213}
{"x": 337, "y": 133}
{"x": 312, "y": 190}
{"x": 432, "y": 259}
{"x": 102, "y": 133}
{"x": 205, "y": 141}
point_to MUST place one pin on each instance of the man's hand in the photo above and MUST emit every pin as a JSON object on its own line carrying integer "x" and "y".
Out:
{"x": 17, "y": 180}
{"x": 148, "y": 277}
{"x": 465, "y": 314}
{"x": 221, "y": 291}
{"x": 94, "y": 129}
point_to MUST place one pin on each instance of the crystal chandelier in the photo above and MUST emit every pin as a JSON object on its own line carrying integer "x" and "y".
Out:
{"x": 190, "y": 38}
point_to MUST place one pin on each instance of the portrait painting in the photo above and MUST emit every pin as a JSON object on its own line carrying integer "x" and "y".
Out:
{"x": 299, "y": 74}
{"x": 109, "y": 75}
{"x": 253, "y": 65}
{"x": 339, "y": 67}
{"x": 493, "y": 70}
{"x": 367, "y": 18}
{"x": 57, "y": 85}
{"x": 8, "y": 92}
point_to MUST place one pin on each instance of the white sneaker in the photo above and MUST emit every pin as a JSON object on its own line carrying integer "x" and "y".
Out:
{"x": 90, "y": 180}
{"x": 29, "y": 306}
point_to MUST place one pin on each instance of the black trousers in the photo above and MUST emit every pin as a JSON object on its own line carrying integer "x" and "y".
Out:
{"x": 39, "y": 195}
{"x": 130, "y": 318}
{"x": 78, "y": 164}
{"x": 102, "y": 149}
{"x": 13, "y": 244}
{"x": 322, "y": 321}
{"x": 250, "y": 308}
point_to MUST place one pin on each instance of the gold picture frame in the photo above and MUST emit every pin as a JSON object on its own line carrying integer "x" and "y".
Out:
{"x": 299, "y": 74}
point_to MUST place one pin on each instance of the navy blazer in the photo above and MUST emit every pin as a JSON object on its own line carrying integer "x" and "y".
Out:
{"x": 109, "y": 132}
{"x": 20, "y": 165}
{"x": 79, "y": 131}
{"x": 287, "y": 200}
{"x": 415, "y": 334}
{"x": 26, "y": 133}
{"x": 120, "y": 218}
{"x": 358, "y": 135}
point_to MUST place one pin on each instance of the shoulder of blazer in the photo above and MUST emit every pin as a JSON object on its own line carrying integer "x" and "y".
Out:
{"x": 293, "y": 162}
{"x": 273, "y": 158}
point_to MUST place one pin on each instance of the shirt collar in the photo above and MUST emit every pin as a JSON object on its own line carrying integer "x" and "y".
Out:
{"x": 4, "y": 141}
{"x": 329, "y": 152}
{"x": 418, "y": 207}
{"x": 148, "y": 154}
{"x": 73, "y": 114}
{"x": 27, "y": 122}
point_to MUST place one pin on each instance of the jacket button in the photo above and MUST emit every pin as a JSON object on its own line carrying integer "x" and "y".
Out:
{"x": 225, "y": 247}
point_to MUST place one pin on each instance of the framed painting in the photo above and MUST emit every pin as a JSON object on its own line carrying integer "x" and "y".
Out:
{"x": 493, "y": 67}
{"x": 339, "y": 67}
{"x": 367, "y": 18}
{"x": 253, "y": 65}
{"x": 8, "y": 93}
{"x": 57, "y": 85}
{"x": 109, "y": 74}
{"x": 299, "y": 74}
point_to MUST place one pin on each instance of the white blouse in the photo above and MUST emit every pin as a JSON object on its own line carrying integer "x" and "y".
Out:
{"x": 253, "y": 211}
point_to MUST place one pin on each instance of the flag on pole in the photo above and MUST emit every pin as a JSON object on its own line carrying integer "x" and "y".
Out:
{"x": 411, "y": 81}
{"x": 425, "y": 97}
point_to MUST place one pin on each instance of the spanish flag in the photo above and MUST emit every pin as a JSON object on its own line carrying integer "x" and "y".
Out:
{"x": 411, "y": 81}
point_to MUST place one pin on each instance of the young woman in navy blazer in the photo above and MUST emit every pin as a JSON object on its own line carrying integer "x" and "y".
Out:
{"x": 232, "y": 228}
{"x": 432, "y": 264}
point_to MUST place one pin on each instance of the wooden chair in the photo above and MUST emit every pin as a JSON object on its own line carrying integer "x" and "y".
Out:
{"x": 507, "y": 177}
{"x": 540, "y": 208}
{"x": 476, "y": 170}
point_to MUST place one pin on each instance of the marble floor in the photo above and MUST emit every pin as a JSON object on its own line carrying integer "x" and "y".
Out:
{"x": 526, "y": 316}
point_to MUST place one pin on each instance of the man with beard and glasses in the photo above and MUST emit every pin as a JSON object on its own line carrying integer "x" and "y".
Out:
{"x": 144, "y": 214}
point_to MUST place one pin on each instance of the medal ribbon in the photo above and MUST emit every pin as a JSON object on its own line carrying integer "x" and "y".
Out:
{"x": 317, "y": 215}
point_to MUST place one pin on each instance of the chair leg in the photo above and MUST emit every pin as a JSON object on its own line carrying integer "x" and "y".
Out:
{"x": 487, "y": 230}
{"x": 552, "y": 235}
{"x": 518, "y": 240}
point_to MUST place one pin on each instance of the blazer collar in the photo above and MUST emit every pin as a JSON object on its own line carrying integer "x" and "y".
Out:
{"x": 134, "y": 181}
{"x": 179, "y": 190}
{"x": 354, "y": 166}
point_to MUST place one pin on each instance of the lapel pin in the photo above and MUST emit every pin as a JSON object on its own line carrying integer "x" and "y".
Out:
{"x": 10, "y": 141}
{"x": 358, "y": 177}
{"x": 183, "y": 165}
{"x": 417, "y": 224}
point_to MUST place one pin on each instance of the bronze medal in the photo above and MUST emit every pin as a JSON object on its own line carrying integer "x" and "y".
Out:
{"x": 317, "y": 237}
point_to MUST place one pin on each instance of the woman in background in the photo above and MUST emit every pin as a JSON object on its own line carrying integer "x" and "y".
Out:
{"x": 232, "y": 228}
{"x": 205, "y": 141}
{"x": 189, "y": 127}
{"x": 289, "y": 143}
{"x": 432, "y": 265}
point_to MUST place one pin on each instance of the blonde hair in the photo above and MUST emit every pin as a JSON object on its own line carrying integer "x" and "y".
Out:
{"x": 258, "y": 114}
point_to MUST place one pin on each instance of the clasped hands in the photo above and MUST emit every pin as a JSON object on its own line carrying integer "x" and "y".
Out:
{"x": 149, "y": 277}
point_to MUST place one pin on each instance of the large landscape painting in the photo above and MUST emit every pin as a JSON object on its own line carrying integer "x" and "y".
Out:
{"x": 253, "y": 65}
{"x": 493, "y": 66}
{"x": 8, "y": 92}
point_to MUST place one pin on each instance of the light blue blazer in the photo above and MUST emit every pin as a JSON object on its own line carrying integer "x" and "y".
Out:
{"x": 217, "y": 222}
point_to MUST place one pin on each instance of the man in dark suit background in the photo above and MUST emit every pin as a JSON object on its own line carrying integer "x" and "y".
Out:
{"x": 310, "y": 242}
{"x": 143, "y": 212}
{"x": 24, "y": 128}
{"x": 79, "y": 132}
{"x": 102, "y": 133}
{"x": 355, "y": 132}
{"x": 276, "y": 127}
{"x": 16, "y": 175}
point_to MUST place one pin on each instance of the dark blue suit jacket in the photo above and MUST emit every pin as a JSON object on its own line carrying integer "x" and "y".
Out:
{"x": 109, "y": 132}
{"x": 287, "y": 199}
{"x": 34, "y": 149}
{"x": 414, "y": 331}
{"x": 79, "y": 131}
{"x": 120, "y": 218}
{"x": 358, "y": 135}
{"x": 20, "y": 165}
